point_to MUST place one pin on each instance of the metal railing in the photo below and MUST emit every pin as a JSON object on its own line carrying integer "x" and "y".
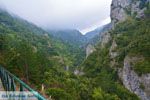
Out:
{"x": 8, "y": 81}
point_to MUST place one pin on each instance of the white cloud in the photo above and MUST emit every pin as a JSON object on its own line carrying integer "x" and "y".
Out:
{"x": 79, "y": 14}
{"x": 96, "y": 25}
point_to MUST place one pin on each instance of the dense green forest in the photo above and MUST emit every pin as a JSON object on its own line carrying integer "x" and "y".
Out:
{"x": 29, "y": 51}
{"x": 74, "y": 41}
{"x": 38, "y": 58}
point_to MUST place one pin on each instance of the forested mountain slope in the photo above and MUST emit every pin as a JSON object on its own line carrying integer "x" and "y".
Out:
{"x": 117, "y": 70}
{"x": 38, "y": 58}
{"x": 123, "y": 51}
{"x": 28, "y": 51}
{"x": 73, "y": 37}
{"x": 75, "y": 42}
{"x": 94, "y": 36}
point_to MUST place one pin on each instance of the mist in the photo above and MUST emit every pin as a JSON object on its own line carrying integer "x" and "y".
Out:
{"x": 84, "y": 15}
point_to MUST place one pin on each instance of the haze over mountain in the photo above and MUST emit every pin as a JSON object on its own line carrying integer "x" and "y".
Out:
{"x": 94, "y": 36}
{"x": 97, "y": 31}
{"x": 83, "y": 15}
{"x": 109, "y": 63}
{"x": 73, "y": 37}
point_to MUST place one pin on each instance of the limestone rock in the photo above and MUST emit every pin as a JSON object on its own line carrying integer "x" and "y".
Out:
{"x": 132, "y": 81}
{"x": 121, "y": 9}
{"x": 112, "y": 51}
{"x": 105, "y": 39}
{"x": 90, "y": 49}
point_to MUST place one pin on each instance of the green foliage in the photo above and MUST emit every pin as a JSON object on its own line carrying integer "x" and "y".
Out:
{"x": 72, "y": 37}
{"x": 103, "y": 78}
{"x": 98, "y": 94}
{"x": 142, "y": 67}
{"x": 77, "y": 87}
{"x": 133, "y": 38}
{"x": 38, "y": 58}
{"x": 59, "y": 94}
{"x": 128, "y": 10}
{"x": 147, "y": 12}
{"x": 28, "y": 51}
{"x": 142, "y": 86}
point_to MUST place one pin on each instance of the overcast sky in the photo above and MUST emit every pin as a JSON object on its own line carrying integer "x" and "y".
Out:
{"x": 84, "y": 15}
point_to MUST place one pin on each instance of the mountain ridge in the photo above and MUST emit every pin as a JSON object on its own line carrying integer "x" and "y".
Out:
{"x": 117, "y": 69}
{"x": 121, "y": 47}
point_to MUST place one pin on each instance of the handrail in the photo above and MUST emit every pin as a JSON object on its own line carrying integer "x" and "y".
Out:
{"x": 9, "y": 84}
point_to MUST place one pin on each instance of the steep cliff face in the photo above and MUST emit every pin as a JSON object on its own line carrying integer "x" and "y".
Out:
{"x": 117, "y": 10}
{"x": 121, "y": 10}
{"x": 125, "y": 56}
{"x": 136, "y": 84}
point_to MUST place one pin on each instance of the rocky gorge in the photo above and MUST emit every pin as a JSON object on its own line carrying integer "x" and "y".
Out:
{"x": 121, "y": 10}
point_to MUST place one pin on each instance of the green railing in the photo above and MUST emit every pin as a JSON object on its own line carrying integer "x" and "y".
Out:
{"x": 9, "y": 83}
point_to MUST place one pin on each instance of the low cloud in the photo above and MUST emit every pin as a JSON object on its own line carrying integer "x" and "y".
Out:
{"x": 60, "y": 14}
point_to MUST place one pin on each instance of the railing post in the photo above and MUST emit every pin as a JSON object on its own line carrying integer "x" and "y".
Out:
{"x": 2, "y": 76}
{"x": 8, "y": 81}
{"x": 21, "y": 87}
{"x": 21, "y": 90}
{"x": 4, "y": 79}
{"x": 13, "y": 87}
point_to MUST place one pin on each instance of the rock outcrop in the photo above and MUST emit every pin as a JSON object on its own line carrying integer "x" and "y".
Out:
{"x": 105, "y": 39}
{"x": 132, "y": 81}
{"x": 112, "y": 51}
{"x": 89, "y": 49}
{"x": 121, "y": 9}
